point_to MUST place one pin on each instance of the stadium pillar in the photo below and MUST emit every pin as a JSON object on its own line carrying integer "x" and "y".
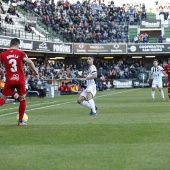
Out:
{"x": 45, "y": 58}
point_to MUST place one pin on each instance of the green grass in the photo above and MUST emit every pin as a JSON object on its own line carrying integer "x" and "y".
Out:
{"x": 130, "y": 133}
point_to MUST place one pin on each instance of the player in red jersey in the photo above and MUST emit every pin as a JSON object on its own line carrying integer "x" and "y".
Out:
{"x": 15, "y": 79}
{"x": 167, "y": 71}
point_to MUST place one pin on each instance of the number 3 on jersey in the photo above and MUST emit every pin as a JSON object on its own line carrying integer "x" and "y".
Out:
{"x": 14, "y": 65}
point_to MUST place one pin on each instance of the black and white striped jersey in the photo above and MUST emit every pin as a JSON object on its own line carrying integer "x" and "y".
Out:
{"x": 156, "y": 73}
{"x": 92, "y": 70}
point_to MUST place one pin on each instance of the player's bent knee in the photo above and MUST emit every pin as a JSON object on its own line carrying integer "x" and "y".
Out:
{"x": 78, "y": 101}
{"x": 89, "y": 96}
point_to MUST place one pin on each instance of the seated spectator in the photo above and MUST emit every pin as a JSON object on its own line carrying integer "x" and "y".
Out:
{"x": 141, "y": 39}
{"x": 9, "y": 20}
{"x": 103, "y": 78}
{"x": 100, "y": 86}
{"x": 74, "y": 87}
{"x": 68, "y": 87}
{"x": 9, "y": 10}
{"x": 145, "y": 38}
{"x": 28, "y": 28}
{"x": 132, "y": 70}
{"x": 144, "y": 15}
{"x": 1, "y": 9}
{"x": 105, "y": 35}
{"x": 47, "y": 20}
{"x": 121, "y": 74}
{"x": 21, "y": 3}
{"x": 136, "y": 39}
{"x": 34, "y": 87}
{"x": 63, "y": 87}
{"x": 35, "y": 3}
{"x": 160, "y": 39}
{"x": 12, "y": 11}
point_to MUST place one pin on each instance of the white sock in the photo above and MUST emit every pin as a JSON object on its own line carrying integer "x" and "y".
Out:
{"x": 86, "y": 104}
{"x": 92, "y": 105}
{"x": 162, "y": 94}
{"x": 153, "y": 94}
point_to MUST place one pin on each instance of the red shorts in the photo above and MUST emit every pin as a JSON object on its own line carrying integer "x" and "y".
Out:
{"x": 11, "y": 86}
{"x": 168, "y": 84}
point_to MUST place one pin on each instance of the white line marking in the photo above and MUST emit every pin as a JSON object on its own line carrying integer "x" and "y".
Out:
{"x": 59, "y": 104}
{"x": 30, "y": 105}
{"x": 115, "y": 93}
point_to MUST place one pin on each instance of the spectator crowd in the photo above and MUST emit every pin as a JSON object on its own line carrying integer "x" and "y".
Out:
{"x": 141, "y": 38}
{"x": 107, "y": 70}
{"x": 163, "y": 9}
{"x": 87, "y": 22}
{"x": 110, "y": 69}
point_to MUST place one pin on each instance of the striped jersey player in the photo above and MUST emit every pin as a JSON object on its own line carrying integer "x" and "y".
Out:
{"x": 156, "y": 73}
{"x": 86, "y": 97}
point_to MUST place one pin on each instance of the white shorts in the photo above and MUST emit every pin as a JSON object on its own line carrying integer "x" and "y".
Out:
{"x": 156, "y": 84}
{"x": 89, "y": 89}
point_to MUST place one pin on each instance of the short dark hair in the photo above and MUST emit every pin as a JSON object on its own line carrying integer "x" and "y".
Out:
{"x": 155, "y": 60}
{"x": 91, "y": 56}
{"x": 14, "y": 42}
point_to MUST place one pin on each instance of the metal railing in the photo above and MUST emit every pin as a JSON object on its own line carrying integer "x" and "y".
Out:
{"x": 21, "y": 33}
{"x": 48, "y": 32}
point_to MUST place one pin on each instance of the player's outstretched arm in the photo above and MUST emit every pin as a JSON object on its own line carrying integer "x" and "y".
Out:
{"x": 94, "y": 76}
{"x": 31, "y": 64}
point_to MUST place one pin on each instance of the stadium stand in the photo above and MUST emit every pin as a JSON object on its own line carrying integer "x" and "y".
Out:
{"x": 19, "y": 22}
{"x": 87, "y": 22}
{"x": 108, "y": 69}
{"x": 82, "y": 22}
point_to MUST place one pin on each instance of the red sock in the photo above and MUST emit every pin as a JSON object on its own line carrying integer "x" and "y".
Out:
{"x": 2, "y": 101}
{"x": 22, "y": 108}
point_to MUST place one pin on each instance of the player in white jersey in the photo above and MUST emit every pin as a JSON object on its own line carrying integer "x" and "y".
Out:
{"x": 156, "y": 73}
{"x": 86, "y": 97}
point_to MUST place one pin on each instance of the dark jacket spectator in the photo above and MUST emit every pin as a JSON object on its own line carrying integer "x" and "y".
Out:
{"x": 1, "y": 8}
{"x": 8, "y": 20}
{"x": 160, "y": 39}
{"x": 34, "y": 87}
{"x": 28, "y": 28}
{"x": 12, "y": 11}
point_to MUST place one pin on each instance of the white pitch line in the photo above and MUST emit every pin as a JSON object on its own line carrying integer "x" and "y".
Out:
{"x": 116, "y": 93}
{"x": 30, "y": 105}
{"x": 43, "y": 107}
{"x": 59, "y": 104}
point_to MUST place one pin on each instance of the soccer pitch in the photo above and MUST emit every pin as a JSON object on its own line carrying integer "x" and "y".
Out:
{"x": 129, "y": 133}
